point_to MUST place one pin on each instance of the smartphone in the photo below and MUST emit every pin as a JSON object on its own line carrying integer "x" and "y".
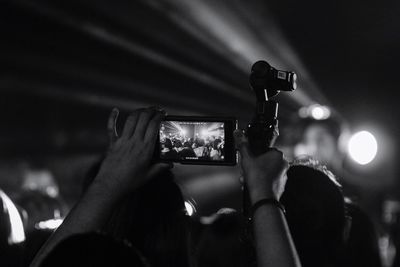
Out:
{"x": 197, "y": 140}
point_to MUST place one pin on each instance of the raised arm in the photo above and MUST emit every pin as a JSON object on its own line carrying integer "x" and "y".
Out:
{"x": 265, "y": 178}
{"x": 126, "y": 167}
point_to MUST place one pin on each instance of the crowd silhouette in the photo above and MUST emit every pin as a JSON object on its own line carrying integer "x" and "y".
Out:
{"x": 132, "y": 213}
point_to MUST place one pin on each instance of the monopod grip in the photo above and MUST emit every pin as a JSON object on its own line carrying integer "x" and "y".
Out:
{"x": 262, "y": 136}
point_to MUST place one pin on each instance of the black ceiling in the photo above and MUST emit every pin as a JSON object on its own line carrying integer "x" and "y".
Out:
{"x": 352, "y": 50}
{"x": 68, "y": 62}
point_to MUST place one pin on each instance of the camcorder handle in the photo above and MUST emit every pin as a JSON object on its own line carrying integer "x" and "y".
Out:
{"x": 266, "y": 83}
{"x": 263, "y": 129}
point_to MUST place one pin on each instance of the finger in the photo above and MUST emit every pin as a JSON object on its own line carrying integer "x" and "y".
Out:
{"x": 279, "y": 155}
{"x": 242, "y": 144}
{"x": 143, "y": 121}
{"x": 112, "y": 126}
{"x": 153, "y": 128}
{"x": 285, "y": 163}
{"x": 273, "y": 149}
{"x": 158, "y": 168}
{"x": 130, "y": 124}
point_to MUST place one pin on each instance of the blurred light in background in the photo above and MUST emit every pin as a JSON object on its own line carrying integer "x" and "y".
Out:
{"x": 51, "y": 224}
{"x": 40, "y": 180}
{"x": 362, "y": 147}
{"x": 17, "y": 233}
{"x": 391, "y": 211}
{"x": 316, "y": 112}
{"x": 190, "y": 209}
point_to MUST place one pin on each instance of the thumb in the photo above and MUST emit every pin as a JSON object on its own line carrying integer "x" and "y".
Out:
{"x": 112, "y": 126}
{"x": 242, "y": 143}
{"x": 158, "y": 168}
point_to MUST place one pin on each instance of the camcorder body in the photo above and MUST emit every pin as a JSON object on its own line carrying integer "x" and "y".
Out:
{"x": 197, "y": 140}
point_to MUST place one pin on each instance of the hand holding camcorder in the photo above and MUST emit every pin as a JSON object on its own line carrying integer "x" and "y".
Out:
{"x": 266, "y": 83}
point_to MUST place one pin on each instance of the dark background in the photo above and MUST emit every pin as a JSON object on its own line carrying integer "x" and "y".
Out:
{"x": 65, "y": 64}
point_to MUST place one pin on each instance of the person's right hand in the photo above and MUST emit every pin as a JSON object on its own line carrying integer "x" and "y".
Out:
{"x": 265, "y": 175}
{"x": 128, "y": 162}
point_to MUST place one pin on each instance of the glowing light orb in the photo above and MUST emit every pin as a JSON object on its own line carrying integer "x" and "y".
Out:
{"x": 316, "y": 112}
{"x": 363, "y": 147}
{"x": 319, "y": 112}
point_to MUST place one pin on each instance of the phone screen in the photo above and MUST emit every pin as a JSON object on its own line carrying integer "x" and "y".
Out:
{"x": 197, "y": 140}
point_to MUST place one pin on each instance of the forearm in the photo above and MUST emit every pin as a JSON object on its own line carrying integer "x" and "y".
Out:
{"x": 90, "y": 214}
{"x": 265, "y": 178}
{"x": 274, "y": 245}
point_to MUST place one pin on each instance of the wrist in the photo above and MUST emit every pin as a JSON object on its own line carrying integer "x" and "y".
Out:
{"x": 105, "y": 189}
{"x": 259, "y": 194}
{"x": 261, "y": 187}
{"x": 267, "y": 202}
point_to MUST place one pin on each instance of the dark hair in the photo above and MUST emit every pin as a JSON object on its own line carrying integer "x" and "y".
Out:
{"x": 220, "y": 242}
{"x": 177, "y": 143}
{"x": 168, "y": 143}
{"x": 216, "y": 143}
{"x": 200, "y": 142}
{"x": 362, "y": 245}
{"x": 92, "y": 249}
{"x": 153, "y": 219}
{"x": 315, "y": 212}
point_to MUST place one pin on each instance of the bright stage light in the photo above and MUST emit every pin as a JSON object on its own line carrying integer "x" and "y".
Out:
{"x": 319, "y": 112}
{"x": 362, "y": 147}
{"x": 183, "y": 132}
{"x": 316, "y": 111}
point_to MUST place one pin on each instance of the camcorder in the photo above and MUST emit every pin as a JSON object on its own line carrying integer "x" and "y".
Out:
{"x": 266, "y": 82}
{"x": 263, "y": 130}
{"x": 197, "y": 140}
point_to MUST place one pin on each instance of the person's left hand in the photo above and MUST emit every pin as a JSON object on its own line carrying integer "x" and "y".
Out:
{"x": 127, "y": 165}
